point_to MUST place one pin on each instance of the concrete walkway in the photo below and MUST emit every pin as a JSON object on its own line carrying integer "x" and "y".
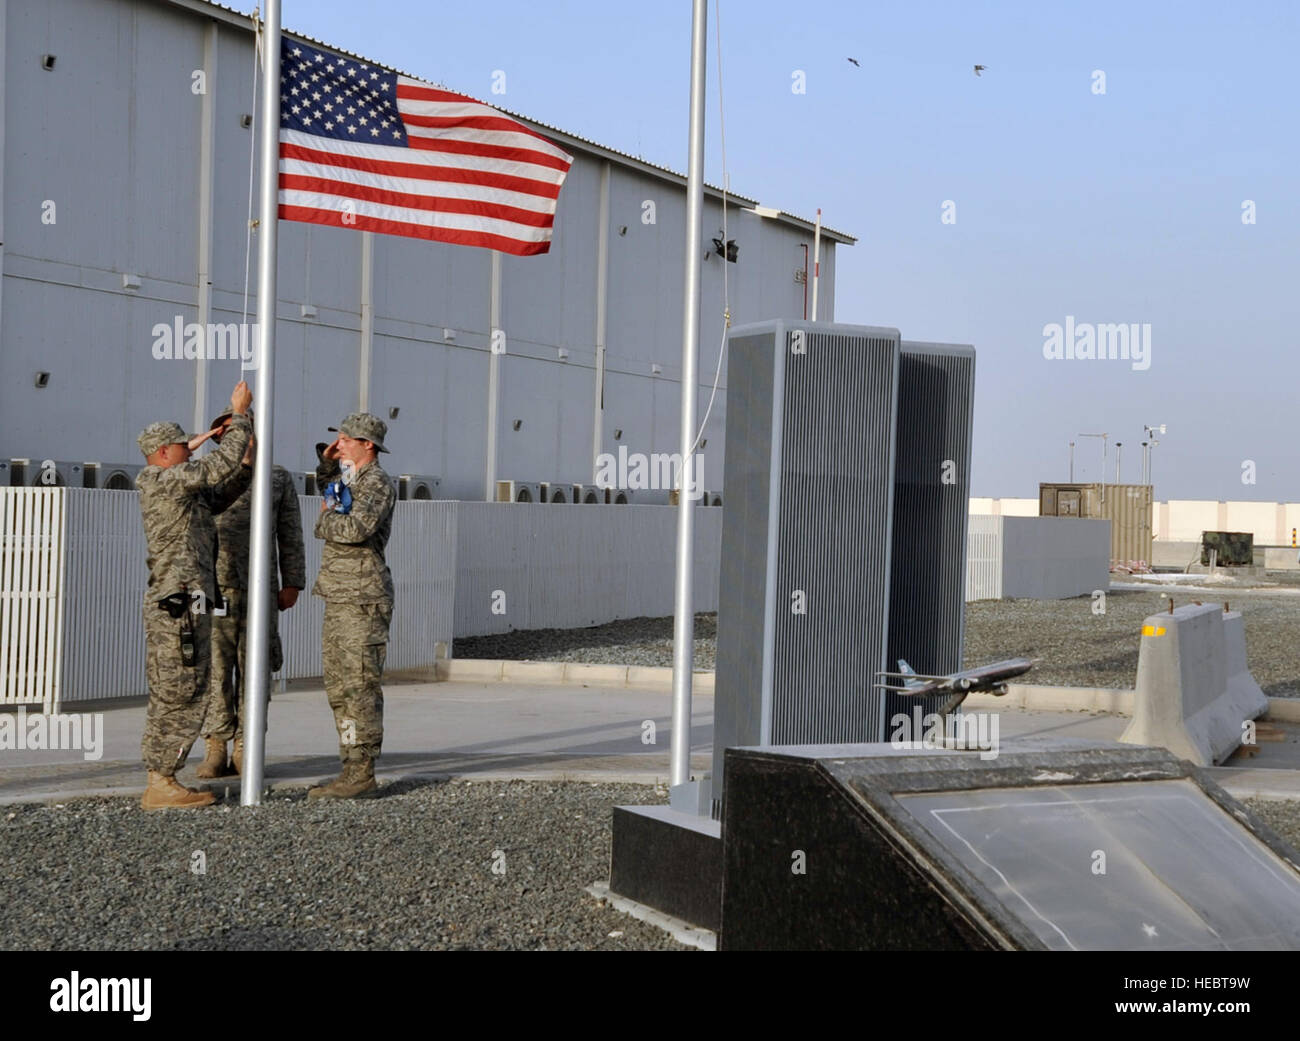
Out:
{"x": 507, "y": 729}
{"x": 492, "y": 731}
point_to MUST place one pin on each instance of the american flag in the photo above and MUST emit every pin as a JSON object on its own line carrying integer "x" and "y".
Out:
{"x": 361, "y": 146}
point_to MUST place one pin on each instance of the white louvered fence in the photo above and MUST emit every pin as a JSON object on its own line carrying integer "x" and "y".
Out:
{"x": 31, "y": 587}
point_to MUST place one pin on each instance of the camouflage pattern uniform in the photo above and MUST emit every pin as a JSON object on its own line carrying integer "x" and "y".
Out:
{"x": 357, "y": 587}
{"x": 225, "y": 718}
{"x": 177, "y": 505}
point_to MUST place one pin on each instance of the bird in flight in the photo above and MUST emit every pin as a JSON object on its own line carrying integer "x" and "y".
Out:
{"x": 856, "y": 62}
{"x": 978, "y": 68}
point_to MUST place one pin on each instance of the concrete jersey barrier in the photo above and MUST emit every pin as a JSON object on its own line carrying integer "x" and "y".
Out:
{"x": 1194, "y": 689}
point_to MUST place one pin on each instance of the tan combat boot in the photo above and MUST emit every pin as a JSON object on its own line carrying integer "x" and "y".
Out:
{"x": 237, "y": 756}
{"x": 165, "y": 793}
{"x": 357, "y": 781}
{"x": 214, "y": 759}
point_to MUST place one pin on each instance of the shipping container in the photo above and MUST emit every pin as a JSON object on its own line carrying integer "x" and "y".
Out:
{"x": 1126, "y": 506}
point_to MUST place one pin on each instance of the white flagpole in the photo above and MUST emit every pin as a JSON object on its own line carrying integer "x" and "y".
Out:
{"x": 684, "y": 614}
{"x": 260, "y": 608}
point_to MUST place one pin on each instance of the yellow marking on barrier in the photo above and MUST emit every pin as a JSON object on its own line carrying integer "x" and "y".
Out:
{"x": 1153, "y": 630}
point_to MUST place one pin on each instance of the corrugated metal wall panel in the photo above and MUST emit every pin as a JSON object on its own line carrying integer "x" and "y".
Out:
{"x": 421, "y": 556}
{"x": 836, "y": 516}
{"x": 742, "y": 680}
{"x": 810, "y": 485}
{"x": 927, "y": 611}
{"x": 569, "y": 566}
{"x": 300, "y": 626}
{"x": 105, "y": 580}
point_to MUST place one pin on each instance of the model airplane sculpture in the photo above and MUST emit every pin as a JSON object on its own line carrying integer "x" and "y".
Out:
{"x": 991, "y": 678}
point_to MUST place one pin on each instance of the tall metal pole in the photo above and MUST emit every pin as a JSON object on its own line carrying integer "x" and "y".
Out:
{"x": 684, "y": 614}
{"x": 260, "y": 608}
{"x": 817, "y": 261}
{"x": 1071, "y": 462}
{"x": 1118, "y": 446}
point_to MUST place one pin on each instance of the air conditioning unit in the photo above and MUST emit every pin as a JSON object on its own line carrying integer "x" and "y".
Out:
{"x": 519, "y": 491}
{"x": 420, "y": 487}
{"x": 555, "y": 491}
{"x": 706, "y": 498}
{"x": 11, "y": 472}
{"x": 306, "y": 482}
{"x": 115, "y": 477}
{"x": 47, "y": 473}
{"x": 619, "y": 496}
{"x": 591, "y": 495}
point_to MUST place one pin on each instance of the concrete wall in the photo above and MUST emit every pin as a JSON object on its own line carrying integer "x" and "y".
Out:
{"x": 1183, "y": 520}
{"x": 121, "y": 93}
{"x": 1003, "y": 507}
{"x": 1049, "y": 558}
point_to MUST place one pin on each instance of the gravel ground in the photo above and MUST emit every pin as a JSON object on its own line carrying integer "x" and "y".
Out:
{"x": 412, "y": 869}
{"x": 1079, "y": 648}
{"x": 629, "y": 641}
{"x": 1282, "y": 815}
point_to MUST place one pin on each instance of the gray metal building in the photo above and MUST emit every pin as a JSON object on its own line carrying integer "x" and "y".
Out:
{"x": 125, "y": 206}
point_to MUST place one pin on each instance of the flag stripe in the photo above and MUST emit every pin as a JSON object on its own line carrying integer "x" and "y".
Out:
{"x": 407, "y": 215}
{"x": 416, "y": 93}
{"x": 441, "y": 203}
{"x": 380, "y": 166}
{"x": 485, "y": 145}
{"x": 412, "y": 186}
{"x": 459, "y": 237}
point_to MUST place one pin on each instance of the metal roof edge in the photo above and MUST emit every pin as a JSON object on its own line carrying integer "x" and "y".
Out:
{"x": 242, "y": 20}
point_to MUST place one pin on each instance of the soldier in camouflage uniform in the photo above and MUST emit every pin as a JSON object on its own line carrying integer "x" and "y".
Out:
{"x": 178, "y": 499}
{"x": 225, "y": 717}
{"x": 357, "y": 588}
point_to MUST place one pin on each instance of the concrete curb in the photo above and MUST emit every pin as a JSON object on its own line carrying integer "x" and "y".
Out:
{"x": 683, "y": 932}
{"x": 642, "y": 676}
{"x": 1035, "y": 697}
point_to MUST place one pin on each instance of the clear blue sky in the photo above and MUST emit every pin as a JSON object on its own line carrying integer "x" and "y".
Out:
{"x": 1122, "y": 207}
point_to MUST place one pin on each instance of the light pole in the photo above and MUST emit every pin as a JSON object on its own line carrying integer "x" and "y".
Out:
{"x": 1103, "y": 463}
{"x": 1071, "y": 462}
{"x": 1151, "y": 431}
{"x": 1118, "y": 446}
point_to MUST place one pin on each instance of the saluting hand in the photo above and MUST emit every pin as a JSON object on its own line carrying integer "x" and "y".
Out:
{"x": 241, "y": 398}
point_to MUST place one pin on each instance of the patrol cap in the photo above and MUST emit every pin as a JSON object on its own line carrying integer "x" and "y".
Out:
{"x": 155, "y": 435}
{"x": 364, "y": 427}
{"x": 226, "y": 415}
